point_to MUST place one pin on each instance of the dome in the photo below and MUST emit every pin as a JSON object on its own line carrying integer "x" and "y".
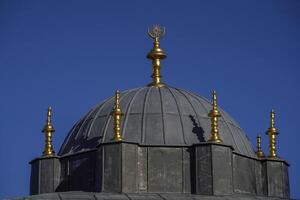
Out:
{"x": 155, "y": 116}
{"x": 154, "y": 140}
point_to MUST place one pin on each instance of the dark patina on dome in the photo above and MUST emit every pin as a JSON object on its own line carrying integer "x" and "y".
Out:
{"x": 163, "y": 116}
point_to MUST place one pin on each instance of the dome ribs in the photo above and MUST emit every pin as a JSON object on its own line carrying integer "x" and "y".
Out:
{"x": 109, "y": 116}
{"x": 229, "y": 128}
{"x": 127, "y": 113}
{"x": 201, "y": 139}
{"x": 236, "y": 128}
{"x": 96, "y": 116}
{"x": 236, "y": 136}
{"x": 180, "y": 115}
{"x": 63, "y": 146}
{"x": 204, "y": 107}
{"x": 153, "y": 119}
{"x": 220, "y": 122}
{"x": 143, "y": 115}
{"x": 172, "y": 125}
{"x": 99, "y": 111}
{"x": 162, "y": 116}
{"x": 73, "y": 134}
{"x": 86, "y": 118}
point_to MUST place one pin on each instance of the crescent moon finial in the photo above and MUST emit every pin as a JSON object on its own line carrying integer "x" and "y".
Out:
{"x": 156, "y": 31}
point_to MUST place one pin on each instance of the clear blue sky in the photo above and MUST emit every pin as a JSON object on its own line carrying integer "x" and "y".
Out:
{"x": 73, "y": 54}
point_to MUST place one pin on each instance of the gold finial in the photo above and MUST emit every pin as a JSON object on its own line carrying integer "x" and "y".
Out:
{"x": 48, "y": 130}
{"x": 259, "y": 151}
{"x": 156, "y": 54}
{"x": 117, "y": 113}
{"x": 214, "y": 114}
{"x": 272, "y": 132}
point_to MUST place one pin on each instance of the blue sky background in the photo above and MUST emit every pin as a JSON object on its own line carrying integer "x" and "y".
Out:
{"x": 73, "y": 54}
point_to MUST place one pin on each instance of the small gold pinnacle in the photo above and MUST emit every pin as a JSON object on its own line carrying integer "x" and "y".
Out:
{"x": 214, "y": 114}
{"x": 48, "y": 130}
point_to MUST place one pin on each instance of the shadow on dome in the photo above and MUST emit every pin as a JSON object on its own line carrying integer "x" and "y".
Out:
{"x": 83, "y": 143}
{"x": 197, "y": 129}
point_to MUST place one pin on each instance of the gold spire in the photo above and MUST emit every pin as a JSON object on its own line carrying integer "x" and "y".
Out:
{"x": 48, "y": 130}
{"x": 272, "y": 132}
{"x": 117, "y": 113}
{"x": 259, "y": 151}
{"x": 156, "y": 54}
{"x": 214, "y": 114}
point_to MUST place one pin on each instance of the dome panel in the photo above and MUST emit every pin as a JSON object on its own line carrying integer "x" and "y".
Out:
{"x": 139, "y": 101}
{"x": 173, "y": 134}
{"x": 107, "y": 135}
{"x": 153, "y": 129}
{"x": 153, "y": 102}
{"x": 126, "y": 100}
{"x": 155, "y": 116}
{"x": 226, "y": 135}
{"x": 183, "y": 104}
{"x": 242, "y": 139}
{"x": 169, "y": 103}
{"x": 107, "y": 107}
{"x": 202, "y": 109}
{"x": 97, "y": 127}
{"x": 134, "y": 123}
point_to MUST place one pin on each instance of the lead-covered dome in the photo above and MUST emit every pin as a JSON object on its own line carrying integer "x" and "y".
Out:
{"x": 163, "y": 116}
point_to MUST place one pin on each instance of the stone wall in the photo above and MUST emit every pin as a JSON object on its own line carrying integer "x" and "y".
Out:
{"x": 204, "y": 169}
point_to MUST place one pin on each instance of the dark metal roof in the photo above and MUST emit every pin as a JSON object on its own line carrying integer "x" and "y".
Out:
{"x": 155, "y": 116}
{"x": 139, "y": 196}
